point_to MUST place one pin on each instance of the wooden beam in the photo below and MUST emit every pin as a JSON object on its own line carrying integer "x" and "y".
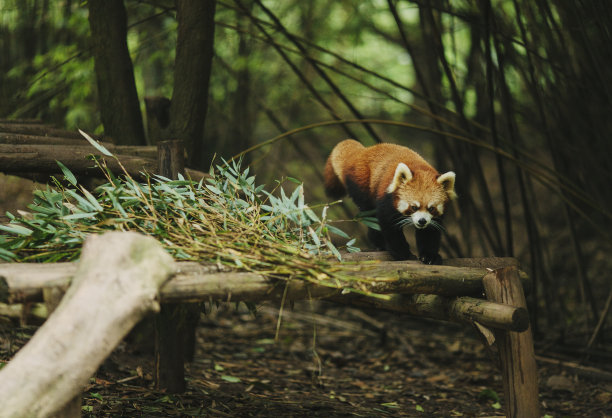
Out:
{"x": 196, "y": 282}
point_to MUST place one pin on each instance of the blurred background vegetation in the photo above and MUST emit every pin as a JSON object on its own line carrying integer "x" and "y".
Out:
{"x": 513, "y": 95}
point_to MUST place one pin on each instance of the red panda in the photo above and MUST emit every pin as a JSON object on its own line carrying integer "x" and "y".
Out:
{"x": 403, "y": 189}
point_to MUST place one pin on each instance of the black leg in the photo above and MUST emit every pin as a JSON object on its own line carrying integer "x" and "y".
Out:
{"x": 376, "y": 238}
{"x": 396, "y": 243}
{"x": 428, "y": 245}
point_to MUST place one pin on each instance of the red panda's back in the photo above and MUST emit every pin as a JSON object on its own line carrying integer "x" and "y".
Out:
{"x": 383, "y": 160}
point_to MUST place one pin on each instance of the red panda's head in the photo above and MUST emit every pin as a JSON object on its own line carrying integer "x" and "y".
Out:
{"x": 422, "y": 195}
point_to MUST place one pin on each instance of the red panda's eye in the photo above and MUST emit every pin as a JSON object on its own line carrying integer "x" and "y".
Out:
{"x": 431, "y": 210}
{"x": 414, "y": 207}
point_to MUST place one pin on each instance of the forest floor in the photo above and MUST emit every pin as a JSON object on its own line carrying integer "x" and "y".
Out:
{"x": 328, "y": 361}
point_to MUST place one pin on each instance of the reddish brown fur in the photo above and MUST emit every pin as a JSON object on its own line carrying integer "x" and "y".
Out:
{"x": 372, "y": 169}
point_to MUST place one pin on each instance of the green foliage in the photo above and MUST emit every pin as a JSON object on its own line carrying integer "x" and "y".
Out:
{"x": 225, "y": 218}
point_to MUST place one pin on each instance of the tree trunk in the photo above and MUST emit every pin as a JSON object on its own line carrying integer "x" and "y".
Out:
{"x": 194, "y": 53}
{"x": 115, "y": 285}
{"x": 118, "y": 99}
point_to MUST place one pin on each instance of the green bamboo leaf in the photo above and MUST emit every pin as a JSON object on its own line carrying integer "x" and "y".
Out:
{"x": 371, "y": 223}
{"x": 16, "y": 229}
{"x": 92, "y": 200}
{"x": 81, "y": 200}
{"x": 337, "y": 231}
{"x": 334, "y": 250}
{"x": 67, "y": 173}
{"x": 314, "y": 237}
{"x": 83, "y": 215}
{"x": 7, "y": 255}
{"x": 96, "y": 144}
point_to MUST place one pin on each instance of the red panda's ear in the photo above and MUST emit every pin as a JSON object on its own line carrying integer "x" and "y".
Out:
{"x": 402, "y": 175}
{"x": 447, "y": 180}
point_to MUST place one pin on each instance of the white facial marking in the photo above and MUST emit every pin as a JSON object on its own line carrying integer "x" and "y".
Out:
{"x": 402, "y": 206}
{"x": 439, "y": 207}
{"x": 420, "y": 219}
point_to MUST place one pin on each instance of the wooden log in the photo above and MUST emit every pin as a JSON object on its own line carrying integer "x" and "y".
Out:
{"x": 79, "y": 141}
{"x": 415, "y": 277}
{"x": 482, "y": 262}
{"x": 515, "y": 349}
{"x": 198, "y": 282}
{"x": 194, "y": 282}
{"x": 115, "y": 285}
{"x": 12, "y": 138}
{"x": 461, "y": 309}
{"x": 41, "y": 130}
{"x": 43, "y": 159}
{"x": 22, "y": 121}
{"x": 19, "y": 159}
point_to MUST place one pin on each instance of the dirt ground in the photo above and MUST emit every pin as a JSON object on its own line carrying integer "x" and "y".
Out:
{"x": 328, "y": 361}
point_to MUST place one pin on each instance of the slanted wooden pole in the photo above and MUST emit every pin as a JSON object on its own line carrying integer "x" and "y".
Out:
{"x": 116, "y": 284}
{"x": 516, "y": 352}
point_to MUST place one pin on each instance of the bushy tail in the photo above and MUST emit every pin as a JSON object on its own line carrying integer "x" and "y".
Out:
{"x": 333, "y": 186}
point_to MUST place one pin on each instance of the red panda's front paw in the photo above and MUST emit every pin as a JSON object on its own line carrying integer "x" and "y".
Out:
{"x": 430, "y": 259}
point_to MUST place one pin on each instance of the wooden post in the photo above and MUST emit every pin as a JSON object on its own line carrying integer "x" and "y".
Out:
{"x": 515, "y": 348}
{"x": 175, "y": 325}
{"x": 170, "y": 158}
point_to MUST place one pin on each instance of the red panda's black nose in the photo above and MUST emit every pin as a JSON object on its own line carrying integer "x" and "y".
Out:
{"x": 422, "y": 222}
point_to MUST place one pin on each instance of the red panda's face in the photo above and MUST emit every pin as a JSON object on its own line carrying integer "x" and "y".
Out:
{"x": 421, "y": 197}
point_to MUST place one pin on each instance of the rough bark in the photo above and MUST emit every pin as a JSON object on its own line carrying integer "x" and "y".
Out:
{"x": 158, "y": 118}
{"x": 115, "y": 285}
{"x": 42, "y": 159}
{"x": 195, "y": 282}
{"x": 172, "y": 330}
{"x": 117, "y": 94}
{"x": 194, "y": 53}
{"x": 516, "y": 351}
{"x": 38, "y": 129}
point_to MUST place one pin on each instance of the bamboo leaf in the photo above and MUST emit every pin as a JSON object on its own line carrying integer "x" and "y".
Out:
{"x": 67, "y": 173}
{"x": 16, "y": 229}
{"x": 96, "y": 144}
